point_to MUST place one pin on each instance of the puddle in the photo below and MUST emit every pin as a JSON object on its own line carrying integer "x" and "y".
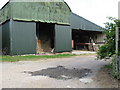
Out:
{"x": 61, "y": 72}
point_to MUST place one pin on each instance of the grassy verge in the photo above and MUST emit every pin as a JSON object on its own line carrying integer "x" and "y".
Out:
{"x": 30, "y": 57}
{"x": 87, "y": 54}
{"x": 109, "y": 66}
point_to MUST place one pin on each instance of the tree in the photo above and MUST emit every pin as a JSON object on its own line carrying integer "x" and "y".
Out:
{"x": 108, "y": 49}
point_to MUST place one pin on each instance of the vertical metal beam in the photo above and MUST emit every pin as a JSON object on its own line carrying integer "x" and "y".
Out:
{"x": 119, "y": 10}
{"x": 117, "y": 39}
{"x": 117, "y": 49}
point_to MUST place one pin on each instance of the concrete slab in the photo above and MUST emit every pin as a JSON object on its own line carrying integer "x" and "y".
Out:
{"x": 78, "y": 52}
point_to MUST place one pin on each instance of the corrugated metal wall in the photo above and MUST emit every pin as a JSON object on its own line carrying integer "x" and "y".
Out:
{"x": 23, "y": 37}
{"x": 0, "y": 39}
{"x": 63, "y": 38}
{"x": 6, "y": 37}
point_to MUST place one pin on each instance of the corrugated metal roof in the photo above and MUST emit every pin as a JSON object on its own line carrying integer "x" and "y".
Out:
{"x": 80, "y": 23}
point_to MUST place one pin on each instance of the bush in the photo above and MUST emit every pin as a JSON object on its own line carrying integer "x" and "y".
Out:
{"x": 108, "y": 49}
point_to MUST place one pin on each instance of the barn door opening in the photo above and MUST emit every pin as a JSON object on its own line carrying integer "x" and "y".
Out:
{"x": 45, "y": 37}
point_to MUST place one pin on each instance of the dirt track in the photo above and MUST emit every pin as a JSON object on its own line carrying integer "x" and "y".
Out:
{"x": 74, "y": 72}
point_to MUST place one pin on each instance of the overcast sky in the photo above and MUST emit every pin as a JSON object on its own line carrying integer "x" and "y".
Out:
{"x": 93, "y": 10}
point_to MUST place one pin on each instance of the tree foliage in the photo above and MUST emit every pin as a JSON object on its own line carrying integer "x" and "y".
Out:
{"x": 108, "y": 49}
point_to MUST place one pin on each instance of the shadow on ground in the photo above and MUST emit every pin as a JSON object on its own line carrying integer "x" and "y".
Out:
{"x": 61, "y": 72}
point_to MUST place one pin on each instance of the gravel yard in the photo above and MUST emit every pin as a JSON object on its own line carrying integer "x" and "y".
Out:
{"x": 74, "y": 72}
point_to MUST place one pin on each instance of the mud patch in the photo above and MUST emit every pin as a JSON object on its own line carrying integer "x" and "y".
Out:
{"x": 61, "y": 72}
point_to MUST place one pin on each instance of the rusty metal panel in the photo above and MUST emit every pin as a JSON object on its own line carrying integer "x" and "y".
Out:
{"x": 63, "y": 38}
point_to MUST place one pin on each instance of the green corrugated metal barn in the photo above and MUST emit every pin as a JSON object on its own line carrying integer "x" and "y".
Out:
{"x": 36, "y": 27}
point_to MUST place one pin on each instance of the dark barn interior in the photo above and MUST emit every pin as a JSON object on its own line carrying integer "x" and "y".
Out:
{"x": 85, "y": 34}
{"x": 84, "y": 40}
{"x": 45, "y": 37}
{"x": 79, "y": 38}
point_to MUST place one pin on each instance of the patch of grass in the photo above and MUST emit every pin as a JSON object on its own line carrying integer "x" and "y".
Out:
{"x": 109, "y": 66}
{"x": 30, "y": 57}
{"x": 0, "y": 58}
